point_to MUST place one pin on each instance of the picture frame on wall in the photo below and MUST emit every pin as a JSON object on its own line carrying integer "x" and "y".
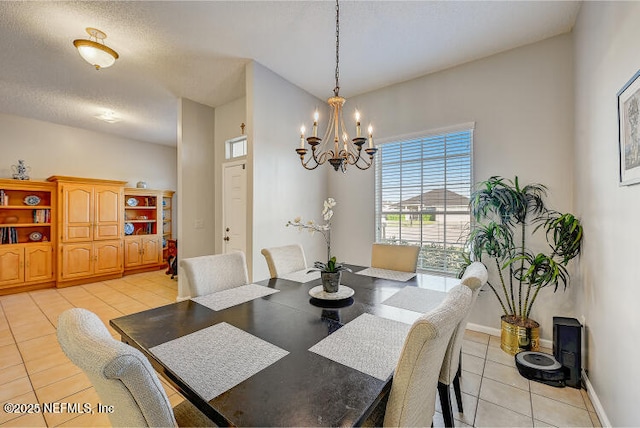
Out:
{"x": 629, "y": 131}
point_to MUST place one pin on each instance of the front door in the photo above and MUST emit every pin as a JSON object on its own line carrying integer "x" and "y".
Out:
{"x": 234, "y": 210}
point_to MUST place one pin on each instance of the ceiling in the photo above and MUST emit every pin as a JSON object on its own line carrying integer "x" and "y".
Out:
{"x": 198, "y": 50}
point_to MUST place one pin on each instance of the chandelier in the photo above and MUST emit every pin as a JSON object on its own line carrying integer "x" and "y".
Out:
{"x": 335, "y": 146}
{"x": 95, "y": 53}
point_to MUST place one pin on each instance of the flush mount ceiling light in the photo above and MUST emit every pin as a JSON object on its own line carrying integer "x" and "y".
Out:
{"x": 108, "y": 116}
{"x": 336, "y": 147}
{"x": 96, "y": 52}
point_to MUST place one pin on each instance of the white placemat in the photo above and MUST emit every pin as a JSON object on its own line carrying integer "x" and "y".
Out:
{"x": 233, "y": 296}
{"x": 416, "y": 299}
{"x": 394, "y": 275}
{"x": 301, "y": 276}
{"x": 369, "y": 344}
{"x": 217, "y": 358}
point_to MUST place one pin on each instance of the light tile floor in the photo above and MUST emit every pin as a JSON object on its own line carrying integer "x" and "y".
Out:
{"x": 33, "y": 368}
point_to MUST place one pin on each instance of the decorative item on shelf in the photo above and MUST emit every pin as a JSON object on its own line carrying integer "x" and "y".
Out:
{"x": 20, "y": 171}
{"x": 329, "y": 147}
{"x": 141, "y": 217}
{"x": 12, "y": 219}
{"x": 128, "y": 228}
{"x": 503, "y": 210}
{"x": 35, "y": 236}
{"x": 97, "y": 54}
{"x": 31, "y": 200}
{"x": 141, "y": 184}
{"x": 331, "y": 271}
{"x": 132, "y": 202}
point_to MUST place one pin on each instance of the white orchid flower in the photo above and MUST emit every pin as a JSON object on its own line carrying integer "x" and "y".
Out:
{"x": 328, "y": 214}
{"x": 297, "y": 219}
{"x": 331, "y": 202}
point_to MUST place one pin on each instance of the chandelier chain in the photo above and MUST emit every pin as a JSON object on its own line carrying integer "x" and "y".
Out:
{"x": 338, "y": 151}
{"x": 336, "y": 90}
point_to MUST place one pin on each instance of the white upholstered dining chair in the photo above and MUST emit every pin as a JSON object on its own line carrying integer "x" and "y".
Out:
{"x": 121, "y": 375}
{"x": 285, "y": 259}
{"x": 475, "y": 276}
{"x": 395, "y": 257}
{"x": 210, "y": 274}
{"x": 413, "y": 391}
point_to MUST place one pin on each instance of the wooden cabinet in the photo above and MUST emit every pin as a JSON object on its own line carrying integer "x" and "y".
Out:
{"x": 27, "y": 237}
{"x": 90, "y": 227}
{"x": 142, "y": 229}
{"x": 11, "y": 265}
{"x": 90, "y": 259}
{"x": 142, "y": 251}
{"x": 167, "y": 222}
{"x": 39, "y": 263}
{"x": 22, "y": 265}
{"x": 90, "y": 212}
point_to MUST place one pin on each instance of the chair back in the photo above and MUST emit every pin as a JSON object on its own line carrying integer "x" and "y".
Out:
{"x": 285, "y": 259}
{"x": 413, "y": 391}
{"x": 395, "y": 257}
{"x": 475, "y": 276}
{"x": 121, "y": 375}
{"x": 210, "y": 274}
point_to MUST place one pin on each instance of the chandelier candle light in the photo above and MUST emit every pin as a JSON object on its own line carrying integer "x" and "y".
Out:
{"x": 322, "y": 149}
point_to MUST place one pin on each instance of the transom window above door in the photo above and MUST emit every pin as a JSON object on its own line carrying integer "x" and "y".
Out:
{"x": 236, "y": 147}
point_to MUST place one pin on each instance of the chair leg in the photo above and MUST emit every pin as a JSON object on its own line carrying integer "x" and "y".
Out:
{"x": 456, "y": 389}
{"x": 445, "y": 402}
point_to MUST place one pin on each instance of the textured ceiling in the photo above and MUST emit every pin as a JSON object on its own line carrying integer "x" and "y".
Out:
{"x": 198, "y": 50}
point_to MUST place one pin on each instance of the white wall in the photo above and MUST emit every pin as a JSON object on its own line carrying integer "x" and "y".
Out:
{"x": 522, "y": 104}
{"x": 51, "y": 149}
{"x": 195, "y": 177}
{"x": 281, "y": 188}
{"x": 228, "y": 118}
{"x": 606, "y": 56}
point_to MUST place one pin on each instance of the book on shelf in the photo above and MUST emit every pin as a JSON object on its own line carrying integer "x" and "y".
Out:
{"x": 8, "y": 235}
{"x": 42, "y": 216}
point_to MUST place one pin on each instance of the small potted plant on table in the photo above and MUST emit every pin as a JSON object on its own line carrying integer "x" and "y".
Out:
{"x": 331, "y": 271}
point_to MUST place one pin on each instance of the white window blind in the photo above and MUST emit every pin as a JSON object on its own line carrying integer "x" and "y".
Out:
{"x": 423, "y": 185}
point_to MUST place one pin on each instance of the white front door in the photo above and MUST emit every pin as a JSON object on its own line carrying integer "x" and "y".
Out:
{"x": 234, "y": 210}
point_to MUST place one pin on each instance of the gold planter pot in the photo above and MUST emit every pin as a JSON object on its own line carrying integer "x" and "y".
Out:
{"x": 516, "y": 338}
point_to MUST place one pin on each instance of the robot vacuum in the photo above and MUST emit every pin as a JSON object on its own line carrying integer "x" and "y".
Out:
{"x": 541, "y": 367}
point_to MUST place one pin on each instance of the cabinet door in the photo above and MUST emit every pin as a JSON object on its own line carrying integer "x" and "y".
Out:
{"x": 132, "y": 252}
{"x": 151, "y": 250}
{"x": 77, "y": 212}
{"x": 108, "y": 257}
{"x": 11, "y": 265}
{"x": 77, "y": 260}
{"x": 38, "y": 263}
{"x": 108, "y": 212}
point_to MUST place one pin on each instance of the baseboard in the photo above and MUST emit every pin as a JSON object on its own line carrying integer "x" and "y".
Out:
{"x": 597, "y": 405}
{"x": 545, "y": 343}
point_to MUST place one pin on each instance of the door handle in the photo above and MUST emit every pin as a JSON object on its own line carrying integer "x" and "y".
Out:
{"x": 227, "y": 229}
{"x": 226, "y": 238}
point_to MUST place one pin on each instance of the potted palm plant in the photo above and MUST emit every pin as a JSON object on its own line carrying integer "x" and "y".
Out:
{"x": 503, "y": 211}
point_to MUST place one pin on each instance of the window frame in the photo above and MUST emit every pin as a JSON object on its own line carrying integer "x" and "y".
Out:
{"x": 231, "y": 143}
{"x": 463, "y": 127}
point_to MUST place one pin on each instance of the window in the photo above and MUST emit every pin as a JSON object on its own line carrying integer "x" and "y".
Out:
{"x": 423, "y": 185}
{"x": 236, "y": 147}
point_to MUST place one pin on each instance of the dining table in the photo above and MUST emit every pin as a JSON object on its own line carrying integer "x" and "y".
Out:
{"x": 280, "y": 352}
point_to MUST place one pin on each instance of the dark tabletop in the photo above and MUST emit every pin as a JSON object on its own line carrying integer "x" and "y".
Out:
{"x": 300, "y": 389}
